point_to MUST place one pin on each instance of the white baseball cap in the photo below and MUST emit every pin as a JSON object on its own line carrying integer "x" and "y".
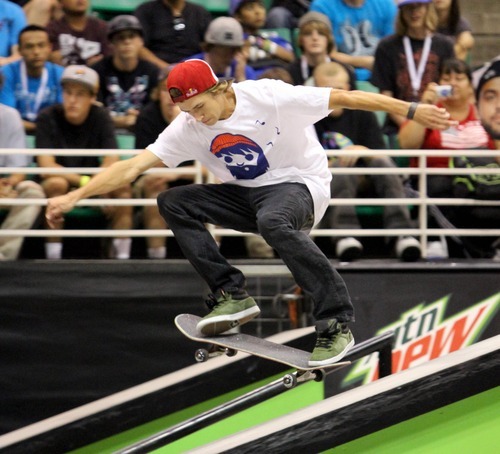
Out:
{"x": 225, "y": 31}
{"x": 83, "y": 75}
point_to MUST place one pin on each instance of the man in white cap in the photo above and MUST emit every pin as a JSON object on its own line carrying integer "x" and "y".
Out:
{"x": 223, "y": 50}
{"x": 79, "y": 123}
{"x": 254, "y": 137}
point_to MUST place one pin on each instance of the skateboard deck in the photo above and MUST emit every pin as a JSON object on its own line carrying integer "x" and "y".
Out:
{"x": 234, "y": 342}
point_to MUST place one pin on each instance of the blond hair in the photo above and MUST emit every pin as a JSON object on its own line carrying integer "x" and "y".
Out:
{"x": 220, "y": 87}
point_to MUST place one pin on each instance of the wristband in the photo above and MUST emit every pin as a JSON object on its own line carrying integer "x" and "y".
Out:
{"x": 412, "y": 110}
{"x": 84, "y": 179}
{"x": 273, "y": 47}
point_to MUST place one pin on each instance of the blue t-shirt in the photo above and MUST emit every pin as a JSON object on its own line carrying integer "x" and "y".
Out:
{"x": 358, "y": 30}
{"x": 12, "y": 21}
{"x": 12, "y": 93}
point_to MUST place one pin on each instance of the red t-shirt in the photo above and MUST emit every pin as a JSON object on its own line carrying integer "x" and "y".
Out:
{"x": 468, "y": 135}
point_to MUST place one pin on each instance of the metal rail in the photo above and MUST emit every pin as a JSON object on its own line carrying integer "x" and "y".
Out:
{"x": 381, "y": 344}
{"x": 198, "y": 173}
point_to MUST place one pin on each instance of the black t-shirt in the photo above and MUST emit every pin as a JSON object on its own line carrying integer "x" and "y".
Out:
{"x": 123, "y": 90}
{"x": 96, "y": 132}
{"x": 390, "y": 70}
{"x": 353, "y": 127}
{"x": 169, "y": 38}
{"x": 150, "y": 123}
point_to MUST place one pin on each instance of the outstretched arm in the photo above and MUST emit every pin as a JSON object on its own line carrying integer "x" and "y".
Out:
{"x": 427, "y": 115}
{"x": 109, "y": 179}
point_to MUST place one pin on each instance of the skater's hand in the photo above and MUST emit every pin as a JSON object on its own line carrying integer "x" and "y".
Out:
{"x": 56, "y": 207}
{"x": 433, "y": 117}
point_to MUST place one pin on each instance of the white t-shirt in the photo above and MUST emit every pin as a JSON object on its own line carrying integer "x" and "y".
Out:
{"x": 267, "y": 139}
{"x": 12, "y": 136}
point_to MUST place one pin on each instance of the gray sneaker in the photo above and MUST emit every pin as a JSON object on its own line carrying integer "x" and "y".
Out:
{"x": 228, "y": 311}
{"x": 334, "y": 339}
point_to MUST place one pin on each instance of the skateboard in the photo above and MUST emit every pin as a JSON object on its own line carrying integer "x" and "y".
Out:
{"x": 231, "y": 343}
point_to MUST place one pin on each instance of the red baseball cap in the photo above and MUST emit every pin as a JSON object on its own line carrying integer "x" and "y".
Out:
{"x": 190, "y": 78}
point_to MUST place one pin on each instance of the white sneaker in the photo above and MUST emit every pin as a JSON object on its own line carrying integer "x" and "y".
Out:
{"x": 437, "y": 250}
{"x": 408, "y": 249}
{"x": 349, "y": 249}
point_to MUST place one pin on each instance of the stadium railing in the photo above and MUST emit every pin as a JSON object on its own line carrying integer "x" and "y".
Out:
{"x": 422, "y": 201}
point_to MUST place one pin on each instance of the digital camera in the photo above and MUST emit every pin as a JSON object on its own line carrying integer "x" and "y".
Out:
{"x": 444, "y": 91}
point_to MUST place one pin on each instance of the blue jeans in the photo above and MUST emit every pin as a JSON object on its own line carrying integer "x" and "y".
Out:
{"x": 281, "y": 213}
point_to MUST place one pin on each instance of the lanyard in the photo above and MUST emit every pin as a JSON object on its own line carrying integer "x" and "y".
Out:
{"x": 31, "y": 113}
{"x": 416, "y": 74}
{"x": 304, "y": 67}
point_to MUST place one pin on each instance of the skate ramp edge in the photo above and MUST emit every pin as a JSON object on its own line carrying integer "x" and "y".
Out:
{"x": 375, "y": 406}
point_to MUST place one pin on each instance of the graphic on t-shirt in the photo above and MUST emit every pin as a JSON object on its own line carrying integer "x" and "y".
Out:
{"x": 332, "y": 140}
{"x": 119, "y": 101}
{"x": 358, "y": 39}
{"x": 242, "y": 156}
{"x": 75, "y": 50}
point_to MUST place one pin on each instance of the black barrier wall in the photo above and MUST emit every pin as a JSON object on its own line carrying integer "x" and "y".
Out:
{"x": 73, "y": 332}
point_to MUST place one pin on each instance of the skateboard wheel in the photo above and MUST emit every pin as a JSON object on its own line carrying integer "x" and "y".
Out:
{"x": 201, "y": 355}
{"x": 319, "y": 375}
{"x": 231, "y": 351}
{"x": 289, "y": 381}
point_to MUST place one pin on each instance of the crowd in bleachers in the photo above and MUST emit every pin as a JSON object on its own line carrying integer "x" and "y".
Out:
{"x": 74, "y": 77}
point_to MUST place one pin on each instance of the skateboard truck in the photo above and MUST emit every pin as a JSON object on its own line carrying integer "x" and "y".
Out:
{"x": 204, "y": 354}
{"x": 301, "y": 376}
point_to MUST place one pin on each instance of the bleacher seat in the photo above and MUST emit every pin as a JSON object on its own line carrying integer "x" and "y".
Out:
{"x": 215, "y": 7}
{"x": 109, "y": 8}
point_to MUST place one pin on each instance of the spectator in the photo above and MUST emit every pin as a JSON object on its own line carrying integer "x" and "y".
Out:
{"x": 286, "y": 13}
{"x": 488, "y": 100}
{"x": 15, "y": 185}
{"x": 78, "y": 38}
{"x": 316, "y": 43}
{"x": 32, "y": 83}
{"x": 452, "y": 24}
{"x": 358, "y": 130}
{"x": 173, "y": 30}
{"x": 223, "y": 50}
{"x": 265, "y": 49}
{"x": 468, "y": 134}
{"x": 406, "y": 62}
{"x": 485, "y": 186}
{"x": 126, "y": 80}
{"x": 358, "y": 26}
{"x": 79, "y": 123}
{"x": 12, "y": 21}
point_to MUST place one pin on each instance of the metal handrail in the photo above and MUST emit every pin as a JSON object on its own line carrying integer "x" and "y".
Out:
{"x": 381, "y": 344}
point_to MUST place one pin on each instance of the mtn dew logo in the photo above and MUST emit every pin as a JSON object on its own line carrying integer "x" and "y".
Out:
{"x": 423, "y": 333}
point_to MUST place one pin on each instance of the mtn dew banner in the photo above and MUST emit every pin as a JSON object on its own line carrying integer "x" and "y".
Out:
{"x": 431, "y": 314}
{"x": 426, "y": 332}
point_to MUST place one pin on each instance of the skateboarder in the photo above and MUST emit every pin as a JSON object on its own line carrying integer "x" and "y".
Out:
{"x": 275, "y": 181}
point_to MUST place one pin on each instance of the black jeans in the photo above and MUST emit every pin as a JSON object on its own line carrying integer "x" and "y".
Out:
{"x": 281, "y": 213}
